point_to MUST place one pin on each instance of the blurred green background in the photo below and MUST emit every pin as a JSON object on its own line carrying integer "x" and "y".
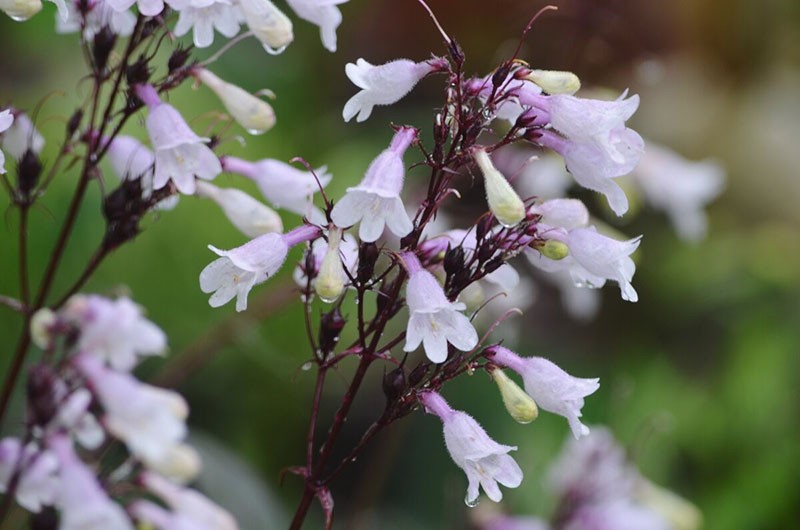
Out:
{"x": 699, "y": 378}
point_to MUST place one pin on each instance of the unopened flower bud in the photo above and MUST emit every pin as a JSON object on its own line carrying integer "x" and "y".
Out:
{"x": 269, "y": 25}
{"x": 250, "y": 216}
{"x": 680, "y": 513}
{"x": 178, "y": 58}
{"x": 331, "y": 325}
{"x": 503, "y": 201}
{"x": 42, "y": 324}
{"x": 20, "y": 10}
{"x": 102, "y": 45}
{"x": 394, "y": 383}
{"x": 367, "y": 256}
{"x": 74, "y": 122}
{"x": 555, "y": 82}
{"x": 519, "y": 405}
{"x": 418, "y": 373}
{"x": 249, "y": 111}
{"x": 552, "y": 249}
{"x": 28, "y": 172}
{"x": 331, "y": 277}
{"x": 180, "y": 462}
{"x": 453, "y": 260}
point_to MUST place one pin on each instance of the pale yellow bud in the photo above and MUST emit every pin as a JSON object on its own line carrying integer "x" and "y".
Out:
{"x": 331, "y": 277}
{"x": 553, "y": 249}
{"x": 41, "y": 324}
{"x": 554, "y": 81}
{"x": 268, "y": 24}
{"x": 503, "y": 201}
{"x": 519, "y": 405}
{"x": 249, "y": 111}
{"x": 20, "y": 10}
{"x": 680, "y": 513}
{"x": 253, "y": 218}
{"x": 180, "y": 463}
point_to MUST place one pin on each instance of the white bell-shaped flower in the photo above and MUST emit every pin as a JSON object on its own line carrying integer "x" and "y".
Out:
{"x": 250, "y": 216}
{"x": 205, "y": 16}
{"x": 268, "y": 23}
{"x": 19, "y": 135}
{"x": 249, "y": 111}
{"x": 323, "y": 13}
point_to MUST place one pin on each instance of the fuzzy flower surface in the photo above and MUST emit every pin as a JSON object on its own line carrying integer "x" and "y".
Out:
{"x": 322, "y": 13}
{"x": 384, "y": 84}
{"x": 486, "y": 462}
{"x": 114, "y": 331}
{"x": 376, "y": 202}
{"x": 434, "y": 321}
{"x": 553, "y": 389}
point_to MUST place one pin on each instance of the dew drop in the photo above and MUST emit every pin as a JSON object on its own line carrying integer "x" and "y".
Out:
{"x": 256, "y": 132}
{"x": 306, "y": 366}
{"x": 18, "y": 18}
{"x": 275, "y": 51}
{"x": 471, "y": 503}
{"x": 327, "y": 299}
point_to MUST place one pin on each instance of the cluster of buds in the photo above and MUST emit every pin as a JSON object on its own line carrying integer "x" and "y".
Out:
{"x": 83, "y": 392}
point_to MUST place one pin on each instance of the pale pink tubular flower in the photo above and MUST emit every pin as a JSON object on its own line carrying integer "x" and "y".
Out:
{"x": 100, "y": 15}
{"x": 376, "y": 201}
{"x": 114, "y": 331}
{"x": 323, "y": 13}
{"x": 284, "y": 186}
{"x": 82, "y": 502}
{"x": 150, "y": 420}
{"x": 384, "y": 84}
{"x": 250, "y": 216}
{"x": 6, "y": 120}
{"x": 180, "y": 155}
{"x": 594, "y": 141}
{"x": 190, "y": 509}
{"x": 37, "y": 484}
{"x": 130, "y": 160}
{"x": 434, "y": 320}
{"x": 553, "y": 389}
{"x": 235, "y": 273}
{"x": 149, "y": 8}
{"x": 19, "y": 134}
{"x": 203, "y": 17}
{"x": 485, "y": 461}
{"x": 605, "y": 258}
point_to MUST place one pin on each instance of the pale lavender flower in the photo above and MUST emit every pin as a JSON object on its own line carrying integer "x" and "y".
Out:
{"x": 180, "y": 155}
{"x": 38, "y": 483}
{"x": 149, "y": 8}
{"x": 376, "y": 201}
{"x": 679, "y": 187}
{"x": 434, "y": 320}
{"x": 19, "y": 135}
{"x": 284, "y": 186}
{"x": 131, "y": 160}
{"x": 250, "y": 216}
{"x": 150, "y": 420}
{"x": 100, "y": 15}
{"x": 236, "y": 271}
{"x": 190, "y": 509}
{"x": 505, "y": 522}
{"x": 620, "y": 514}
{"x": 205, "y": 16}
{"x": 74, "y": 417}
{"x": 604, "y": 258}
{"x": 553, "y": 389}
{"x": 248, "y": 110}
{"x": 6, "y": 121}
{"x": 82, "y": 502}
{"x": 485, "y": 461}
{"x": 594, "y": 141}
{"x": 384, "y": 84}
{"x": 323, "y": 13}
{"x": 114, "y": 331}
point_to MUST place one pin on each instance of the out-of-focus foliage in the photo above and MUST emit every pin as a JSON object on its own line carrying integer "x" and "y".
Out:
{"x": 700, "y": 377}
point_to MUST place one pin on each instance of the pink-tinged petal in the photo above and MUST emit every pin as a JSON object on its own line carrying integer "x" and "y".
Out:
{"x": 349, "y": 209}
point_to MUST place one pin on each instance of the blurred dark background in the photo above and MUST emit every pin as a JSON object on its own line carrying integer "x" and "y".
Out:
{"x": 699, "y": 378}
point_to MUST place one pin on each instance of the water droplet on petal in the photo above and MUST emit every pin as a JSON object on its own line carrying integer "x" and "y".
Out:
{"x": 256, "y": 132}
{"x": 471, "y": 503}
{"x": 306, "y": 366}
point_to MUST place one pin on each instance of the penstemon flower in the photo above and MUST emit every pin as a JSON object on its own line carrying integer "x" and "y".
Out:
{"x": 249, "y": 111}
{"x": 180, "y": 155}
{"x": 551, "y": 388}
{"x": 485, "y": 461}
{"x": 202, "y": 17}
{"x": 434, "y": 321}
{"x": 19, "y": 135}
{"x": 251, "y": 217}
{"x": 376, "y": 202}
{"x": 268, "y": 23}
{"x": 323, "y": 13}
{"x": 6, "y": 120}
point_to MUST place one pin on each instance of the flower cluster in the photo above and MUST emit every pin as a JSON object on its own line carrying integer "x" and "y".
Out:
{"x": 92, "y": 399}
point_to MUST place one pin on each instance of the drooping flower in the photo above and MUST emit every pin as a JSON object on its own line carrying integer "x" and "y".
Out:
{"x": 190, "y": 509}
{"x": 205, "y": 16}
{"x": 679, "y": 187}
{"x": 236, "y": 271}
{"x": 323, "y": 13}
{"x": 148, "y": 8}
{"x": 82, "y": 502}
{"x": 434, "y": 320}
{"x": 249, "y": 111}
{"x": 20, "y": 10}
{"x": 250, "y": 216}
{"x": 284, "y": 186}
{"x": 485, "y": 461}
{"x": 504, "y": 202}
{"x": 348, "y": 252}
{"x": 150, "y": 420}
{"x": 19, "y": 135}
{"x": 593, "y": 139}
{"x": 180, "y": 155}
{"x": 37, "y": 484}
{"x": 384, "y": 84}
{"x": 6, "y": 121}
{"x": 114, "y": 331}
{"x": 376, "y": 201}
{"x": 553, "y": 389}
{"x": 268, "y": 23}
{"x": 605, "y": 259}
{"x": 131, "y": 160}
